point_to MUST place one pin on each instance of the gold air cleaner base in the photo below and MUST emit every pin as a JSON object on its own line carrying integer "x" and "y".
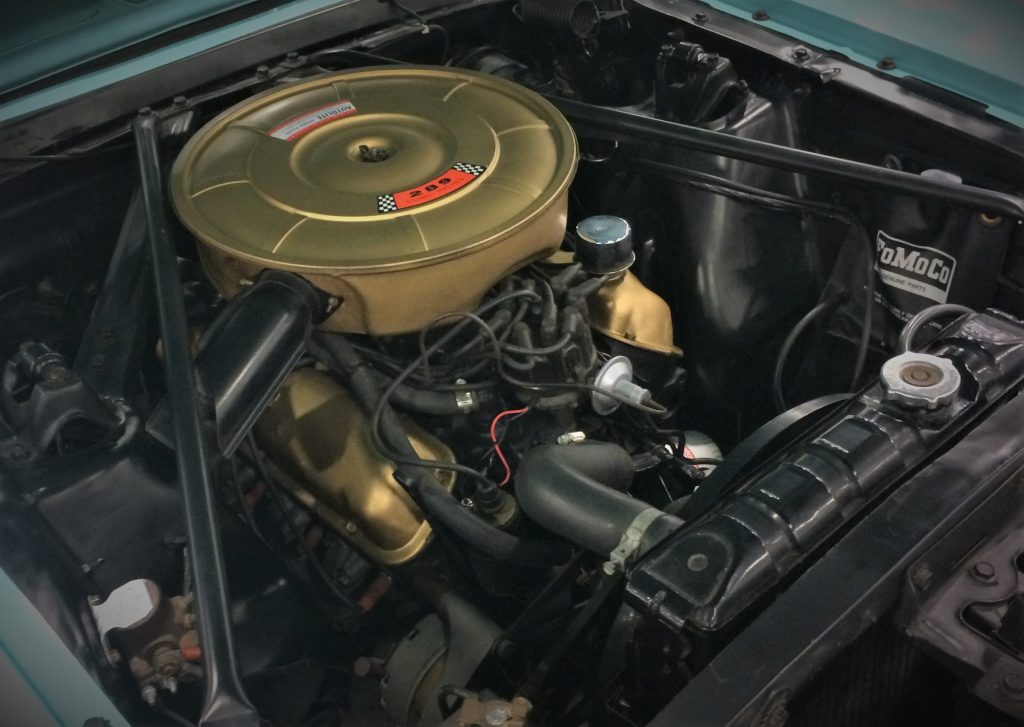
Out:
{"x": 404, "y": 191}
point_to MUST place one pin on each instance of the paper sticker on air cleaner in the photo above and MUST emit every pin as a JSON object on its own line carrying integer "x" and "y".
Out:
{"x": 302, "y": 124}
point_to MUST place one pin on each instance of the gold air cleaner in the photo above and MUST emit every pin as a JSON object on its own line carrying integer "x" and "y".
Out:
{"x": 406, "y": 192}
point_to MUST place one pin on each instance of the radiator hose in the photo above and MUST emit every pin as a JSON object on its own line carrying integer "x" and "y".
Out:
{"x": 424, "y": 488}
{"x": 578, "y": 492}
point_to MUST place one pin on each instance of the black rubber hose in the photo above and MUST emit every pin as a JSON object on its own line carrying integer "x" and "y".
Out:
{"x": 428, "y": 401}
{"x": 421, "y": 483}
{"x": 480, "y": 534}
{"x": 825, "y": 306}
{"x": 578, "y": 492}
{"x": 919, "y": 321}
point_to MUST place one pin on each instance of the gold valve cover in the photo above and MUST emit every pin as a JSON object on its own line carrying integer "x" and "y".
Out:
{"x": 406, "y": 192}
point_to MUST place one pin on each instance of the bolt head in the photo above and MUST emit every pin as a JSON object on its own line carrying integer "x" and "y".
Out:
{"x": 984, "y": 569}
{"x": 496, "y": 716}
{"x": 1014, "y": 683}
{"x": 55, "y": 373}
{"x": 984, "y": 572}
{"x": 760, "y": 15}
{"x": 697, "y": 562}
{"x": 921, "y": 577}
{"x": 700, "y": 17}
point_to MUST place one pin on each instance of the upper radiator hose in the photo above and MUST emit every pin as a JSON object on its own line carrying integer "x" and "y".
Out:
{"x": 578, "y": 492}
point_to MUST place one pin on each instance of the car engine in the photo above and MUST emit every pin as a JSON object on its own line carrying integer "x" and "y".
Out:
{"x": 535, "y": 363}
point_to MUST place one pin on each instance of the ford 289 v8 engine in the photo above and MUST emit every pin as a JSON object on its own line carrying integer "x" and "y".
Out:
{"x": 512, "y": 364}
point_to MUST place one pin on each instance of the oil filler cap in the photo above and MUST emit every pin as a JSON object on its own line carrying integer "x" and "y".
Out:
{"x": 920, "y": 380}
{"x": 605, "y": 245}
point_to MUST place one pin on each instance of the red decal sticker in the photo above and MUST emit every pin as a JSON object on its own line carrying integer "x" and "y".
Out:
{"x": 457, "y": 177}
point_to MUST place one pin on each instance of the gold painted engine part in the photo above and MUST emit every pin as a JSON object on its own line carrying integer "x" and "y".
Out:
{"x": 405, "y": 192}
{"x": 318, "y": 443}
{"x": 628, "y": 311}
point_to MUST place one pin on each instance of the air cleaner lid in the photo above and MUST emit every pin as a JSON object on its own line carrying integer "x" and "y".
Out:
{"x": 373, "y": 169}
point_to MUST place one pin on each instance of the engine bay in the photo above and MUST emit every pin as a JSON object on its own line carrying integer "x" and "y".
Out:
{"x": 618, "y": 370}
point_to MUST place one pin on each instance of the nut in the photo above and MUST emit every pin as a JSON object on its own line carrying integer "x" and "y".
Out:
{"x": 984, "y": 572}
{"x": 1013, "y": 686}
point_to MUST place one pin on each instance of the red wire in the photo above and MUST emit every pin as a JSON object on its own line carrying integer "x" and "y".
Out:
{"x": 497, "y": 447}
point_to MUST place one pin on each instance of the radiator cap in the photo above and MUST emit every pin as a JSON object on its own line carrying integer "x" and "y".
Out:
{"x": 920, "y": 380}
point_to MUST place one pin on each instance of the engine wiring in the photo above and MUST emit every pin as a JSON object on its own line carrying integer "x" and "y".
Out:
{"x": 500, "y": 361}
{"x": 514, "y": 414}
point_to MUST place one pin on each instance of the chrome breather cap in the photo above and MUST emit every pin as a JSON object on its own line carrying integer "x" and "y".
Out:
{"x": 605, "y": 244}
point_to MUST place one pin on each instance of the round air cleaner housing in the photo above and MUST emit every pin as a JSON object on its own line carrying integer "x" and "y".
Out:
{"x": 404, "y": 191}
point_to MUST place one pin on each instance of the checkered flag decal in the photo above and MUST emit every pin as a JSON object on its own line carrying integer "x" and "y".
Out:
{"x": 386, "y": 203}
{"x": 475, "y": 169}
{"x": 456, "y": 177}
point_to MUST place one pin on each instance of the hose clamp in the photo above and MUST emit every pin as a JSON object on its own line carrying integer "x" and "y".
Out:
{"x": 631, "y": 540}
{"x": 465, "y": 401}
